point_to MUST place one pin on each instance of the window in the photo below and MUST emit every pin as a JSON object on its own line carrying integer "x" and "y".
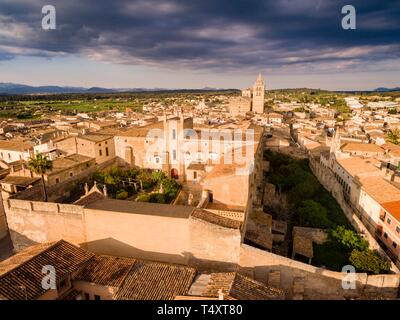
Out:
{"x": 9, "y": 156}
{"x": 87, "y": 296}
{"x": 385, "y": 235}
{"x": 106, "y": 142}
{"x": 388, "y": 221}
{"x": 57, "y": 180}
{"x": 213, "y": 155}
{"x": 157, "y": 159}
{"x": 99, "y": 144}
{"x": 174, "y": 154}
{"x": 398, "y": 229}
{"x": 100, "y": 153}
{"x": 194, "y": 174}
{"x": 394, "y": 244}
{"x": 71, "y": 174}
{"x": 96, "y": 297}
{"x": 2, "y": 154}
{"x": 107, "y": 151}
{"x": 173, "y": 134}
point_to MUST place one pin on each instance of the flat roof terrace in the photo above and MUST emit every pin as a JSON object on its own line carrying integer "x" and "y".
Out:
{"x": 144, "y": 208}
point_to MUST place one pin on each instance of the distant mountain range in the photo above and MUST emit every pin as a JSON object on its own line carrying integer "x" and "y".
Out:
{"x": 16, "y": 88}
{"x": 387, "y": 89}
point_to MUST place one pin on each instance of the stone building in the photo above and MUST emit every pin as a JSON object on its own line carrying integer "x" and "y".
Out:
{"x": 256, "y": 94}
{"x": 175, "y": 146}
{"x": 239, "y": 105}
{"x": 98, "y": 146}
{"x": 63, "y": 169}
{"x": 14, "y": 150}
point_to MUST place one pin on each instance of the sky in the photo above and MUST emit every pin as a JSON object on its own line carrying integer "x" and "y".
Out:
{"x": 205, "y": 43}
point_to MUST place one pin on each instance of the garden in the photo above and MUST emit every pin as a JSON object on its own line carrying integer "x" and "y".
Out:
{"x": 313, "y": 206}
{"x": 136, "y": 184}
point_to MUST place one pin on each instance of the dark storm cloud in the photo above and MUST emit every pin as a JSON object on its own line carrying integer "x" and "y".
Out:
{"x": 225, "y": 34}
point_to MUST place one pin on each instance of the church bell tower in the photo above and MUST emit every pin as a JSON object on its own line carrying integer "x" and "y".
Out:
{"x": 258, "y": 95}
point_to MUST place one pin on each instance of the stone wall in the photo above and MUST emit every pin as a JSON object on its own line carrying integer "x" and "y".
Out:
{"x": 327, "y": 179}
{"x": 213, "y": 246}
{"x": 313, "y": 283}
{"x": 122, "y": 232}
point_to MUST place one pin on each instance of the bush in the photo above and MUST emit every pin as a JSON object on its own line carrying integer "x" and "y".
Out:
{"x": 145, "y": 177}
{"x": 121, "y": 195}
{"x": 158, "y": 198}
{"x": 158, "y": 176}
{"x": 369, "y": 261}
{"x": 144, "y": 197}
{"x": 312, "y": 214}
{"x": 330, "y": 255}
{"x": 171, "y": 188}
{"x": 349, "y": 239}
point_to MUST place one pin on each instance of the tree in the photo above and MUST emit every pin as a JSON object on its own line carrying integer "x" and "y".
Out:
{"x": 157, "y": 176}
{"x": 349, "y": 239}
{"x": 369, "y": 261}
{"x": 312, "y": 214}
{"x": 393, "y": 136}
{"x": 171, "y": 188}
{"x": 40, "y": 165}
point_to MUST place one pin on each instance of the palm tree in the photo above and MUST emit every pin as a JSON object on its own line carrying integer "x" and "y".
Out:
{"x": 393, "y": 136}
{"x": 40, "y": 165}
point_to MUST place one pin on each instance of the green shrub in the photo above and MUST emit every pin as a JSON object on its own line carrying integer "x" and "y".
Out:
{"x": 158, "y": 176}
{"x": 121, "y": 195}
{"x": 144, "y": 197}
{"x": 330, "y": 255}
{"x": 349, "y": 239}
{"x": 312, "y": 214}
{"x": 158, "y": 198}
{"x": 171, "y": 188}
{"x": 369, "y": 261}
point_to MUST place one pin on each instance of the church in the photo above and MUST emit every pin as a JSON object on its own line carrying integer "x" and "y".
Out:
{"x": 256, "y": 94}
{"x": 252, "y": 99}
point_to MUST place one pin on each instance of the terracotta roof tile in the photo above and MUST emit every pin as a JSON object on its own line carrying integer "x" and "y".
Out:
{"x": 236, "y": 286}
{"x": 106, "y": 270}
{"x": 208, "y": 216}
{"x": 156, "y": 281}
{"x": 24, "y": 281}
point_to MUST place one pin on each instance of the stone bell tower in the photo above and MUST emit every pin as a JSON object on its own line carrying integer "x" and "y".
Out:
{"x": 258, "y": 95}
